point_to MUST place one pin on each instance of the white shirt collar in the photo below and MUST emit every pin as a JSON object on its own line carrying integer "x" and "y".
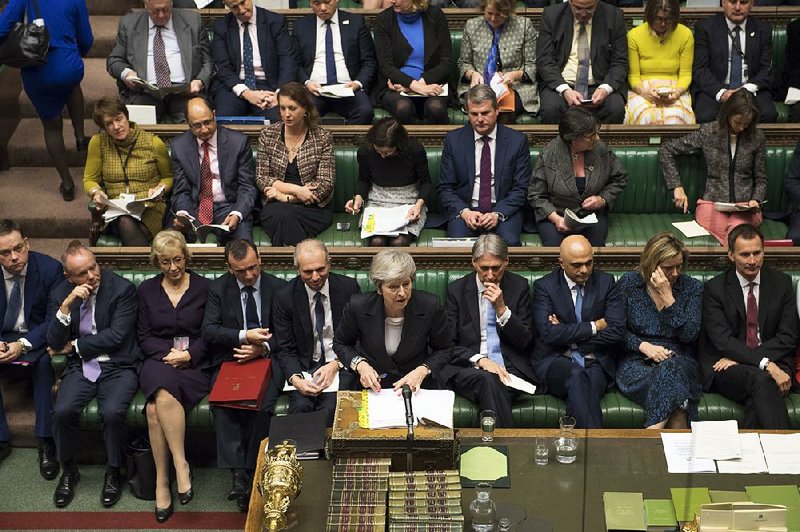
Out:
{"x": 167, "y": 26}
{"x": 212, "y": 142}
{"x": 492, "y": 134}
{"x": 8, "y": 275}
{"x": 570, "y": 283}
{"x": 325, "y": 291}
{"x": 252, "y": 20}
{"x": 256, "y": 285}
{"x": 334, "y": 20}
{"x": 732, "y": 25}
{"x": 744, "y": 282}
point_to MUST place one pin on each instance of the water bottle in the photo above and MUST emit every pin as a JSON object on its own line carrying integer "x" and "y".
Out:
{"x": 567, "y": 441}
{"x": 482, "y": 510}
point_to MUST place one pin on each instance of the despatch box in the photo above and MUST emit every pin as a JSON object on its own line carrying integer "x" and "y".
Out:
{"x": 433, "y": 447}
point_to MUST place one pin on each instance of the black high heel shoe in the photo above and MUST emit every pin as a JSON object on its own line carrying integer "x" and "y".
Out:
{"x": 67, "y": 193}
{"x": 162, "y": 514}
{"x": 188, "y": 495}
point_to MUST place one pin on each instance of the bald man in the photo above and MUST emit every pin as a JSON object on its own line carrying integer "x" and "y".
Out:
{"x": 214, "y": 174}
{"x": 580, "y": 318}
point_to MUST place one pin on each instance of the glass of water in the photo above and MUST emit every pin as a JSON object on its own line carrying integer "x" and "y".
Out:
{"x": 488, "y": 420}
{"x": 566, "y": 441}
{"x": 541, "y": 454}
{"x": 180, "y": 343}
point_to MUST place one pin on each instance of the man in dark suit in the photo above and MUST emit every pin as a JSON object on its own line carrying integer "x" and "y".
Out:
{"x": 580, "y": 318}
{"x": 567, "y": 77}
{"x": 306, "y": 312}
{"x": 719, "y": 67}
{"x": 484, "y": 173}
{"x": 28, "y": 278}
{"x": 750, "y": 333}
{"x": 791, "y": 69}
{"x": 490, "y": 319}
{"x": 349, "y": 60}
{"x": 237, "y": 325}
{"x": 94, "y": 324}
{"x": 163, "y": 47}
{"x": 219, "y": 188}
{"x": 254, "y": 57}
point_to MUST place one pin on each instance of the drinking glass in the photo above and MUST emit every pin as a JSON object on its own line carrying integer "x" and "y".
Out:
{"x": 488, "y": 420}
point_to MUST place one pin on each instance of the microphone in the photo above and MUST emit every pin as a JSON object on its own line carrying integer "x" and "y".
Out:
{"x": 409, "y": 411}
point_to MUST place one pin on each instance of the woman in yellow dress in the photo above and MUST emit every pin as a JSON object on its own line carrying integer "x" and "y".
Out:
{"x": 660, "y": 53}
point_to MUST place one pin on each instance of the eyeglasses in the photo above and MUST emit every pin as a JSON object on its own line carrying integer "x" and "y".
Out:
{"x": 593, "y": 136}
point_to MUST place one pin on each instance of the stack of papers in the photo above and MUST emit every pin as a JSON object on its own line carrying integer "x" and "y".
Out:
{"x": 678, "y": 452}
{"x": 718, "y": 440}
{"x": 337, "y": 90}
{"x": 387, "y": 221}
{"x": 386, "y": 408}
{"x": 781, "y": 453}
{"x": 128, "y": 205}
{"x": 752, "y": 459}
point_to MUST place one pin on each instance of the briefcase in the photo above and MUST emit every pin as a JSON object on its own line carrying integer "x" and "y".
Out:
{"x": 241, "y": 384}
{"x": 433, "y": 447}
{"x": 742, "y": 517}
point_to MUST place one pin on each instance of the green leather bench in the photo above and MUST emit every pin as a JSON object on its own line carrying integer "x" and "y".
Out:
{"x": 642, "y": 209}
{"x": 538, "y": 411}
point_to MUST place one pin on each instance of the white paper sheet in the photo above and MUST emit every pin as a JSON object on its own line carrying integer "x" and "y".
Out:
{"x": 792, "y": 96}
{"x": 781, "y": 453}
{"x": 718, "y": 440}
{"x": 500, "y": 89}
{"x": 127, "y": 204}
{"x": 521, "y": 384}
{"x": 387, "y": 410}
{"x": 333, "y": 387}
{"x": 723, "y": 206}
{"x": 678, "y": 453}
{"x": 142, "y": 114}
{"x": 752, "y": 460}
{"x": 338, "y": 90}
{"x": 445, "y": 92}
{"x": 574, "y": 221}
{"x": 389, "y": 221}
{"x": 691, "y": 229}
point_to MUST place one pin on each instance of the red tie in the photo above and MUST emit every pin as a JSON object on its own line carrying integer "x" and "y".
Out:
{"x": 485, "y": 186}
{"x": 205, "y": 211}
{"x": 752, "y": 318}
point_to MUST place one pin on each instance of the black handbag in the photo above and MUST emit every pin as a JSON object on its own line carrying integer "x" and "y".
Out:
{"x": 141, "y": 469}
{"x": 26, "y": 44}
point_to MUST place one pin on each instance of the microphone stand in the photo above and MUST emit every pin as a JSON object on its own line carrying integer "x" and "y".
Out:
{"x": 410, "y": 426}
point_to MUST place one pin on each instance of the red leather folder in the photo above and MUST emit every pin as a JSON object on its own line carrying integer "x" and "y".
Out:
{"x": 242, "y": 385}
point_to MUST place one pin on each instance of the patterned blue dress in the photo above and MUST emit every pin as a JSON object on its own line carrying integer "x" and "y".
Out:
{"x": 661, "y": 388}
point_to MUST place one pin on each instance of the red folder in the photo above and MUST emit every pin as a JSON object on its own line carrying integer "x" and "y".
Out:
{"x": 242, "y": 385}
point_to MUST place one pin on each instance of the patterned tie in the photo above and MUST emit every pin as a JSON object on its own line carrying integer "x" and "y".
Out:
{"x": 492, "y": 340}
{"x": 752, "y": 318}
{"x": 330, "y": 62}
{"x": 319, "y": 325}
{"x": 490, "y": 68}
{"x": 582, "y": 77}
{"x": 91, "y": 368}
{"x": 251, "y": 310}
{"x": 249, "y": 69}
{"x": 205, "y": 209}
{"x": 736, "y": 59}
{"x": 575, "y": 354}
{"x": 485, "y": 187}
{"x": 160, "y": 63}
{"x": 13, "y": 307}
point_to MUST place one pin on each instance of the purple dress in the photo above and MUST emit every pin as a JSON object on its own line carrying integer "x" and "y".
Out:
{"x": 158, "y": 323}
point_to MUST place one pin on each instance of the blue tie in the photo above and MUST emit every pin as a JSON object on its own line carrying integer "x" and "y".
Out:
{"x": 575, "y": 354}
{"x": 251, "y": 310}
{"x": 736, "y": 60}
{"x": 492, "y": 340}
{"x": 330, "y": 62}
{"x": 249, "y": 69}
{"x": 13, "y": 307}
{"x": 490, "y": 68}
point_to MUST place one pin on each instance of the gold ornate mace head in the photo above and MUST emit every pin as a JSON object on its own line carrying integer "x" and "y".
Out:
{"x": 280, "y": 484}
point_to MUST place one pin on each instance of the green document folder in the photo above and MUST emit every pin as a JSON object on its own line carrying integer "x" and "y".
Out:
{"x": 785, "y": 495}
{"x": 687, "y": 501}
{"x": 660, "y": 512}
{"x": 728, "y": 496}
{"x": 624, "y": 511}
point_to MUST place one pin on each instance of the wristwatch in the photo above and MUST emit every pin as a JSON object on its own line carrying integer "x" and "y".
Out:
{"x": 339, "y": 362}
{"x": 354, "y": 363}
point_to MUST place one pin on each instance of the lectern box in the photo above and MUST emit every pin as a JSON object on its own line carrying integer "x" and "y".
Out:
{"x": 433, "y": 447}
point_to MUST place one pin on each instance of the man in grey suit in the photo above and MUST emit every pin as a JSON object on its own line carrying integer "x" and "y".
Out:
{"x": 214, "y": 174}
{"x": 164, "y": 48}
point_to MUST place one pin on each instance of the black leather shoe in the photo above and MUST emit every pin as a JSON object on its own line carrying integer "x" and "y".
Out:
{"x": 67, "y": 194}
{"x": 48, "y": 465}
{"x": 5, "y": 450}
{"x": 186, "y": 496}
{"x": 162, "y": 514}
{"x": 112, "y": 489}
{"x": 65, "y": 491}
{"x": 243, "y": 502}
{"x": 239, "y": 486}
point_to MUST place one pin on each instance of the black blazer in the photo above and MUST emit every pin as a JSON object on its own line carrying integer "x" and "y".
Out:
{"x": 393, "y": 49}
{"x": 425, "y": 339}
{"x": 274, "y": 44}
{"x": 114, "y": 315}
{"x": 223, "y": 318}
{"x": 724, "y": 328}
{"x": 551, "y": 295}
{"x": 609, "y": 48}
{"x": 791, "y": 71}
{"x": 516, "y": 337}
{"x": 43, "y": 274}
{"x": 357, "y": 46}
{"x": 237, "y": 170}
{"x": 291, "y": 315}
{"x": 711, "y": 57}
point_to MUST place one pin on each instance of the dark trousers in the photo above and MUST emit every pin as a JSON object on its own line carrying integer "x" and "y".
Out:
{"x": 114, "y": 390}
{"x": 227, "y": 103}
{"x": 170, "y": 110}
{"x": 764, "y": 407}
{"x": 244, "y": 230}
{"x": 509, "y": 230}
{"x": 486, "y": 389}
{"x": 794, "y": 228}
{"x": 595, "y": 233}
{"x": 582, "y": 388}
{"x": 356, "y": 110}
{"x": 43, "y": 379}
{"x": 794, "y": 112}
{"x": 552, "y": 105}
{"x": 706, "y": 107}
{"x": 432, "y": 110}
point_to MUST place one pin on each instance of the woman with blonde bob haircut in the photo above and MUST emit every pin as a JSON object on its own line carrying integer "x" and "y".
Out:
{"x": 171, "y": 308}
{"x": 659, "y": 370}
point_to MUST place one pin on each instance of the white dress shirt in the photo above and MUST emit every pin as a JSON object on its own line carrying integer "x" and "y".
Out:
{"x": 172, "y": 51}
{"x": 476, "y": 187}
{"x": 243, "y": 302}
{"x": 501, "y": 321}
{"x": 258, "y": 67}
{"x": 574, "y": 293}
{"x": 327, "y": 330}
{"x": 20, "y": 325}
{"x": 742, "y": 40}
{"x": 746, "y": 291}
{"x": 66, "y": 320}
{"x": 319, "y": 73}
{"x": 570, "y": 71}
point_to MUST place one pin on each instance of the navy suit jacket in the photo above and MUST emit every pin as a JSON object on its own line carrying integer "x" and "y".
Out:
{"x": 236, "y": 171}
{"x": 43, "y": 274}
{"x": 274, "y": 45}
{"x": 114, "y": 315}
{"x": 711, "y": 57}
{"x": 224, "y": 319}
{"x": 512, "y": 170}
{"x": 551, "y": 295}
{"x": 516, "y": 337}
{"x": 357, "y": 46}
{"x": 292, "y": 319}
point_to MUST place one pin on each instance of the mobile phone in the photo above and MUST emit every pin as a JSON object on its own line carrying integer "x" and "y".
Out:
{"x": 586, "y": 101}
{"x": 342, "y": 226}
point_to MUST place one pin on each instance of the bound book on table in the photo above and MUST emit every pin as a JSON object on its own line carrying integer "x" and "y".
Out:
{"x": 242, "y": 385}
{"x": 306, "y": 429}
